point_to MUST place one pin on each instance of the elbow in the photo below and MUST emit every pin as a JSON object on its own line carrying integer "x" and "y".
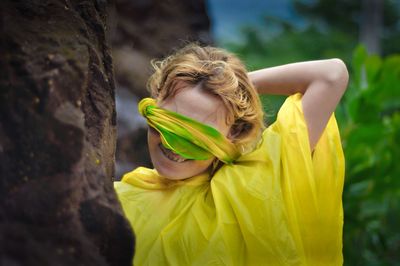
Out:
{"x": 337, "y": 74}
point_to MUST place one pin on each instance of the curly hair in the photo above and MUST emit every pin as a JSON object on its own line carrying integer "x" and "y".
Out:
{"x": 220, "y": 73}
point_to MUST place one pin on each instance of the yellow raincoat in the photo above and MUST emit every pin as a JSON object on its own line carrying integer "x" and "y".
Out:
{"x": 278, "y": 205}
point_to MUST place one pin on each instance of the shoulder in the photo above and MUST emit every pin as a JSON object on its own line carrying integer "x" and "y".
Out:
{"x": 290, "y": 115}
{"x": 139, "y": 177}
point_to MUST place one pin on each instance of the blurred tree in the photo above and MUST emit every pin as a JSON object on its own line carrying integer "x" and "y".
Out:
{"x": 331, "y": 29}
{"x": 371, "y": 25}
{"x": 360, "y": 19}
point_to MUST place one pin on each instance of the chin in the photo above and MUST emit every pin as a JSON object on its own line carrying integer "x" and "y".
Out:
{"x": 167, "y": 168}
{"x": 167, "y": 173}
{"x": 174, "y": 172}
{"x": 178, "y": 171}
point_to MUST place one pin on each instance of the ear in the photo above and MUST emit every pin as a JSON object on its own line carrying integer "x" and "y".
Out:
{"x": 238, "y": 129}
{"x": 234, "y": 132}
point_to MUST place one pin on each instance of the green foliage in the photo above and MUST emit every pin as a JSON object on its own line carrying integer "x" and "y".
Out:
{"x": 292, "y": 46}
{"x": 369, "y": 117}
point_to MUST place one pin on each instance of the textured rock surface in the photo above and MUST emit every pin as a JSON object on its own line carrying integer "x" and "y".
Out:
{"x": 145, "y": 30}
{"x": 57, "y": 137}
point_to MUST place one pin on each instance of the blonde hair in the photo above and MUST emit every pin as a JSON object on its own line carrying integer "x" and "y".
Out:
{"x": 220, "y": 73}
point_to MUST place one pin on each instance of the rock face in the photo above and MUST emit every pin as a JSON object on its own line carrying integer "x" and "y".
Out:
{"x": 145, "y": 30}
{"x": 57, "y": 137}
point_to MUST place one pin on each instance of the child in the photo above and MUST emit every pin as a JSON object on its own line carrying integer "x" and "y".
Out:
{"x": 226, "y": 190}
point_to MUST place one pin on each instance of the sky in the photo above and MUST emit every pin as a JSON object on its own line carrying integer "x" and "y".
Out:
{"x": 228, "y": 16}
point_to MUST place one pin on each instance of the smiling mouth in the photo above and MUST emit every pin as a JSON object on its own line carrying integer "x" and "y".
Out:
{"x": 172, "y": 155}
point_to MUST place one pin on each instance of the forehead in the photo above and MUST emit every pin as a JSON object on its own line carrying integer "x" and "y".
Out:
{"x": 198, "y": 104}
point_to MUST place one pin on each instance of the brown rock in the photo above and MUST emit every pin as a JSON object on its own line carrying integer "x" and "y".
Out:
{"x": 57, "y": 137}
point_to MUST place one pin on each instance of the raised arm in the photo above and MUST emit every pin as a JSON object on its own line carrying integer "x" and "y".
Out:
{"x": 322, "y": 83}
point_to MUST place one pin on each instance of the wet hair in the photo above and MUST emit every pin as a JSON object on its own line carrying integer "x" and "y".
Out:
{"x": 220, "y": 73}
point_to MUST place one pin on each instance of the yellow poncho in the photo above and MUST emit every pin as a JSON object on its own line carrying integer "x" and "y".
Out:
{"x": 278, "y": 205}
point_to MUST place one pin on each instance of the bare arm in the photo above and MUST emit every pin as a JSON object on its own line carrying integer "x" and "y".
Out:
{"x": 322, "y": 82}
